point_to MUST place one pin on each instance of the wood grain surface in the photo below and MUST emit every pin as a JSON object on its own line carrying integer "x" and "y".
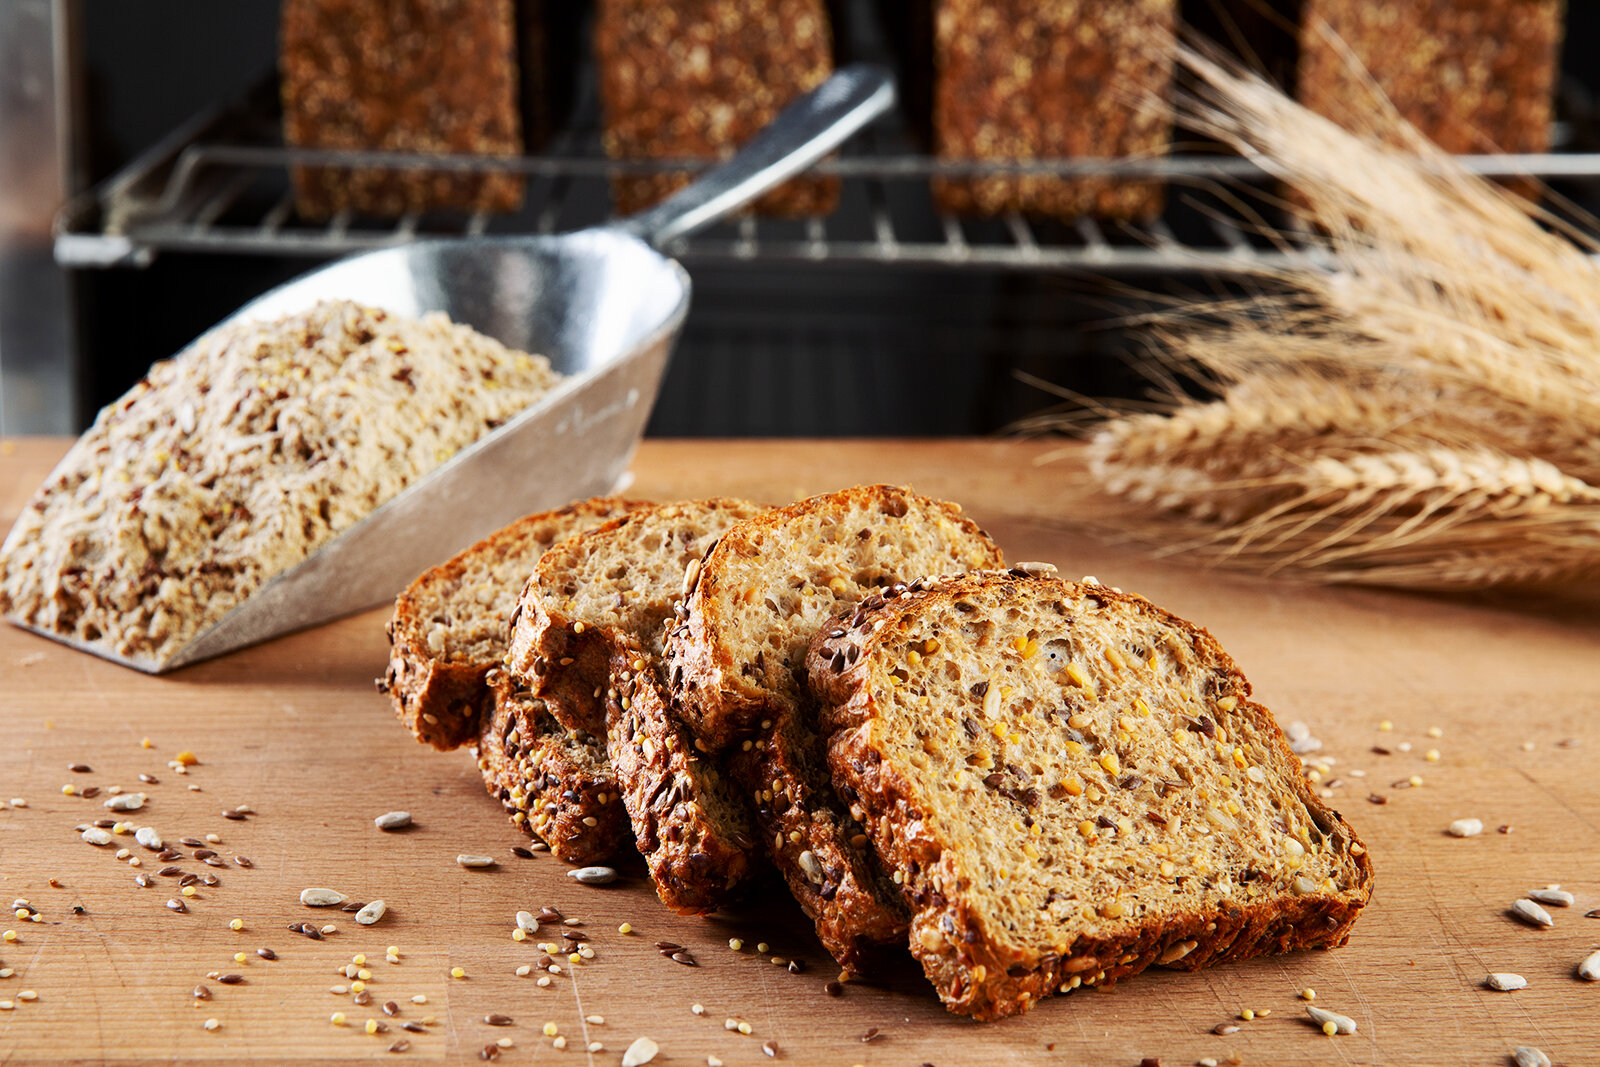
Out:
{"x": 295, "y": 730}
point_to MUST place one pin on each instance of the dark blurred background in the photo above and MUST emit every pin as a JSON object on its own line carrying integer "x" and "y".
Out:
{"x": 771, "y": 348}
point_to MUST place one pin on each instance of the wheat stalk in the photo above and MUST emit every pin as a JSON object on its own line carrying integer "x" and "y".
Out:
{"x": 1424, "y": 413}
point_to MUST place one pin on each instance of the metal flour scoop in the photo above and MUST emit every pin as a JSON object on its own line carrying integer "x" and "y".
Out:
{"x": 602, "y": 304}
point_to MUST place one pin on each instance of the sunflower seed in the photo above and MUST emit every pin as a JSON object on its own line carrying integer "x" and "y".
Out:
{"x": 393, "y": 820}
{"x": 1531, "y": 913}
{"x": 1557, "y": 898}
{"x": 125, "y": 802}
{"x": 526, "y": 922}
{"x": 1589, "y": 969}
{"x": 147, "y": 836}
{"x": 642, "y": 1051}
{"x": 96, "y": 836}
{"x": 593, "y": 875}
{"x": 467, "y": 860}
{"x": 1505, "y": 981}
{"x": 1528, "y": 1056}
{"x": 321, "y": 898}
{"x": 1344, "y": 1023}
{"x": 1466, "y": 828}
{"x": 371, "y": 913}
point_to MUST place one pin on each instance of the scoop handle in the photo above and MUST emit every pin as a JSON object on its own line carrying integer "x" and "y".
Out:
{"x": 805, "y": 131}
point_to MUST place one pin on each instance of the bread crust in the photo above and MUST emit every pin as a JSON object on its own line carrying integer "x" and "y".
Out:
{"x": 443, "y": 701}
{"x": 697, "y": 842}
{"x": 841, "y": 887}
{"x": 974, "y": 973}
{"x": 556, "y": 785}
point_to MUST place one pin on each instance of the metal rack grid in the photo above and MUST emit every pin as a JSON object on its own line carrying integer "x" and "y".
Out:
{"x": 220, "y": 184}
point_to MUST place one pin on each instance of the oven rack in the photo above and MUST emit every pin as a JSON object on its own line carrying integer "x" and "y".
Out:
{"x": 220, "y": 184}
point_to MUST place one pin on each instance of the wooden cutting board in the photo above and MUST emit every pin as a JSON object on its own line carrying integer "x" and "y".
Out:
{"x": 295, "y": 730}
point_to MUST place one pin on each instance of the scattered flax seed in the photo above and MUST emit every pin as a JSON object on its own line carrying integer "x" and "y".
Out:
{"x": 231, "y": 979}
{"x": 266, "y": 953}
{"x": 1225, "y": 1028}
{"x": 400, "y": 1046}
{"x": 414, "y": 1028}
{"x": 497, "y": 1019}
{"x": 870, "y": 1035}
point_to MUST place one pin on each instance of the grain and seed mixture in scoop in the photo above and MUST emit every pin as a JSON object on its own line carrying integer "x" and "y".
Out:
{"x": 241, "y": 456}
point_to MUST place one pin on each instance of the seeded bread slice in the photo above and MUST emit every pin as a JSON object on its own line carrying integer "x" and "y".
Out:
{"x": 620, "y": 580}
{"x": 449, "y": 626}
{"x": 588, "y": 635}
{"x": 1072, "y": 785}
{"x": 735, "y": 659}
{"x": 556, "y": 783}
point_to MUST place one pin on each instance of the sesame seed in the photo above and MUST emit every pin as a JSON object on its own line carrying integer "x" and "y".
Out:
{"x": 524, "y": 970}
{"x": 698, "y": 1009}
{"x": 420, "y": 998}
{"x": 212, "y": 1024}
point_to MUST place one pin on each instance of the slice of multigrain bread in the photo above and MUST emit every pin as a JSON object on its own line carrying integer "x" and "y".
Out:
{"x": 588, "y": 634}
{"x": 555, "y": 783}
{"x": 621, "y": 580}
{"x": 734, "y": 661}
{"x": 1072, "y": 785}
{"x": 449, "y": 626}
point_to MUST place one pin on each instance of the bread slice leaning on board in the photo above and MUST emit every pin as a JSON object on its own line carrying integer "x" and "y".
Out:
{"x": 1072, "y": 785}
{"x": 735, "y": 661}
{"x": 587, "y": 633}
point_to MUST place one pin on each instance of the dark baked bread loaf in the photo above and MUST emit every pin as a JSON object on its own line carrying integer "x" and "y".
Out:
{"x": 450, "y": 625}
{"x": 423, "y": 76}
{"x": 698, "y": 78}
{"x": 1018, "y": 80}
{"x": 1071, "y": 785}
{"x": 1471, "y": 75}
{"x": 588, "y": 634}
{"x": 556, "y": 783}
{"x": 735, "y": 660}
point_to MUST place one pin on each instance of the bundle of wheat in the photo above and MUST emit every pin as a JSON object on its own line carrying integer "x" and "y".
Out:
{"x": 1417, "y": 404}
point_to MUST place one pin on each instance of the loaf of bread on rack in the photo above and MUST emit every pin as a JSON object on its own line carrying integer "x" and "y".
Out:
{"x": 587, "y": 633}
{"x": 1472, "y": 75}
{"x": 450, "y": 625}
{"x": 696, "y": 79}
{"x": 1041, "y": 79}
{"x": 1072, "y": 785}
{"x": 413, "y": 76}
